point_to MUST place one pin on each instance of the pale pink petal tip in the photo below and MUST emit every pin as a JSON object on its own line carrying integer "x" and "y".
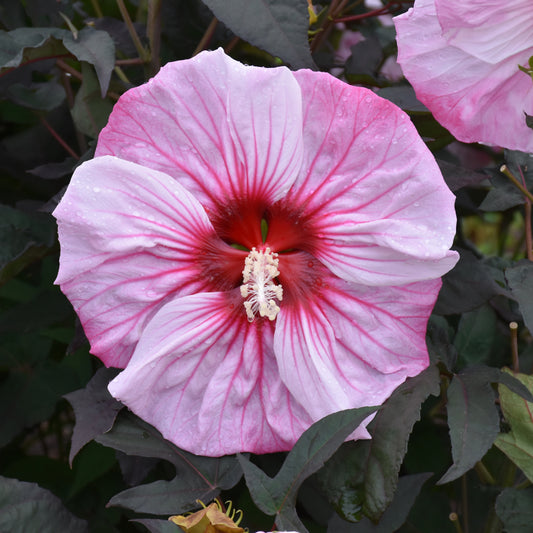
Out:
{"x": 196, "y": 121}
{"x": 128, "y": 238}
{"x": 462, "y": 59}
{"x": 209, "y": 382}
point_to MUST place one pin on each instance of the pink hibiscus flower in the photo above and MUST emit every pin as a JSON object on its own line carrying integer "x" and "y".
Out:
{"x": 257, "y": 248}
{"x": 462, "y": 59}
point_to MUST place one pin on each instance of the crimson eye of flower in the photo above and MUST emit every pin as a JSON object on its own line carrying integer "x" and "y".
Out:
{"x": 256, "y": 248}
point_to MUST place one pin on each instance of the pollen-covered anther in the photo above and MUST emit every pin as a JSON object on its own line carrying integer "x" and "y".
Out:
{"x": 260, "y": 292}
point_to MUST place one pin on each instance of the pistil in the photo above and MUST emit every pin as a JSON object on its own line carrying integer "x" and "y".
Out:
{"x": 260, "y": 292}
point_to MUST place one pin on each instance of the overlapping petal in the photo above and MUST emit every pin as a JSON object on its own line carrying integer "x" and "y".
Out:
{"x": 490, "y": 30}
{"x": 370, "y": 188}
{"x": 472, "y": 86}
{"x": 208, "y": 380}
{"x": 225, "y": 130}
{"x": 354, "y": 345}
{"x": 130, "y": 238}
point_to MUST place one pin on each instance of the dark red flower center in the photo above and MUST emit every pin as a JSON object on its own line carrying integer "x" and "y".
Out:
{"x": 252, "y": 224}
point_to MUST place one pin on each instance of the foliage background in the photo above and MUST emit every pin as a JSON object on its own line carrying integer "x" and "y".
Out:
{"x": 452, "y": 449}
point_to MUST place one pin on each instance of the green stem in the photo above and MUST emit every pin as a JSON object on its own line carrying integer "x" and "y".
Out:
{"x": 516, "y": 183}
{"x": 493, "y": 524}
{"x": 153, "y": 31}
{"x": 483, "y": 473}
{"x": 143, "y": 54}
{"x": 454, "y": 519}
{"x": 97, "y": 8}
{"x": 207, "y": 36}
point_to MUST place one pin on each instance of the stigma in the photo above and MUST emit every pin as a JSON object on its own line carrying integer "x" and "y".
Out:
{"x": 261, "y": 295}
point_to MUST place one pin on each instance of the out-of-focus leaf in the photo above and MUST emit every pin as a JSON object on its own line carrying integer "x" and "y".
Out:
{"x": 40, "y": 96}
{"x": 90, "y": 111}
{"x": 520, "y": 280}
{"x": 196, "y": 477}
{"x": 30, "y": 44}
{"x": 518, "y": 443}
{"x": 29, "y": 395}
{"x": 159, "y": 526}
{"x": 364, "y": 61}
{"x": 466, "y": 287}
{"x": 456, "y": 176}
{"x": 278, "y": 495}
{"x": 529, "y": 120}
{"x": 46, "y": 308}
{"x": 95, "y": 410}
{"x": 472, "y": 415}
{"x": 27, "y": 507}
{"x": 276, "y": 26}
{"x": 390, "y": 432}
{"x": 52, "y": 171}
{"x": 91, "y": 464}
{"x": 514, "y": 508}
{"x": 24, "y": 237}
{"x": 395, "y": 515}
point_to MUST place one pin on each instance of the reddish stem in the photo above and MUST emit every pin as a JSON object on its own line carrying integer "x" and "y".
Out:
{"x": 388, "y": 9}
{"x": 58, "y": 138}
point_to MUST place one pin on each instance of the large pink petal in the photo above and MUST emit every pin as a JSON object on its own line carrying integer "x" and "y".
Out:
{"x": 370, "y": 188}
{"x": 477, "y": 101}
{"x": 490, "y": 30}
{"x": 130, "y": 237}
{"x": 208, "y": 380}
{"x": 352, "y": 345}
{"x": 225, "y": 130}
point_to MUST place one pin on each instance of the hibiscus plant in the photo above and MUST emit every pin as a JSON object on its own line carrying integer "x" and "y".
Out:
{"x": 266, "y": 265}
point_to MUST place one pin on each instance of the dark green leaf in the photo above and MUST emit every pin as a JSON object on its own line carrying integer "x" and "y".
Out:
{"x": 29, "y": 394}
{"x": 196, "y": 477}
{"x": 276, "y": 26}
{"x": 473, "y": 420}
{"x": 52, "y": 171}
{"x": 95, "y": 410}
{"x": 477, "y": 335}
{"x": 404, "y": 97}
{"x": 30, "y": 44}
{"x": 40, "y": 96}
{"x": 27, "y": 507}
{"x": 457, "y": 176}
{"x": 520, "y": 280}
{"x": 438, "y": 340}
{"x": 466, "y": 287}
{"x": 159, "y": 526}
{"x": 529, "y": 120}
{"x": 24, "y": 237}
{"x": 514, "y": 508}
{"x": 342, "y": 479}
{"x": 395, "y": 515}
{"x": 365, "y": 59}
{"x": 504, "y": 194}
{"x": 314, "y": 447}
{"x": 390, "y": 432}
{"x": 90, "y": 111}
